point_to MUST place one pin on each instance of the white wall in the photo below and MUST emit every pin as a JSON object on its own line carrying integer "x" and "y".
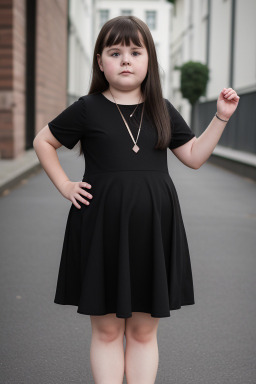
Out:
{"x": 245, "y": 45}
{"x": 188, "y": 42}
{"x": 220, "y": 35}
{"x": 81, "y": 18}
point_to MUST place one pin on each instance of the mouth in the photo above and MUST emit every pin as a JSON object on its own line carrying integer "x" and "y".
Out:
{"x": 125, "y": 72}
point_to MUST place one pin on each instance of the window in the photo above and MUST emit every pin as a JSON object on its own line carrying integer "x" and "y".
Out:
{"x": 104, "y": 16}
{"x": 126, "y": 12}
{"x": 151, "y": 19}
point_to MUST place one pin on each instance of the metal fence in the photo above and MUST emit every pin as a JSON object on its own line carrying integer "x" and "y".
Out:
{"x": 240, "y": 133}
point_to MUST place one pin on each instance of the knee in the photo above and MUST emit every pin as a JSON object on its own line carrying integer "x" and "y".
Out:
{"x": 108, "y": 334}
{"x": 141, "y": 334}
{"x": 107, "y": 328}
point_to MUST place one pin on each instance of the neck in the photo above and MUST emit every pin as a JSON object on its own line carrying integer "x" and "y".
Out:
{"x": 124, "y": 97}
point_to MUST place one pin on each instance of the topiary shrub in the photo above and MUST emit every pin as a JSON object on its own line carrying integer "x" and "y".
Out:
{"x": 193, "y": 82}
{"x": 194, "y": 78}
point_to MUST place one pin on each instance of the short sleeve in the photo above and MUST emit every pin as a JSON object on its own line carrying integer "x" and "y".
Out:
{"x": 69, "y": 126}
{"x": 181, "y": 133}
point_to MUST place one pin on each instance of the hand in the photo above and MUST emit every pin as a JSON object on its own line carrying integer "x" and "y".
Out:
{"x": 72, "y": 190}
{"x": 227, "y": 103}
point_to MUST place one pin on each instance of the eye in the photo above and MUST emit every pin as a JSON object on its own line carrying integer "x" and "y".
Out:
{"x": 135, "y": 53}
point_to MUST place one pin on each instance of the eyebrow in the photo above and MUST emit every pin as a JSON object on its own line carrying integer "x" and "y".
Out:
{"x": 118, "y": 49}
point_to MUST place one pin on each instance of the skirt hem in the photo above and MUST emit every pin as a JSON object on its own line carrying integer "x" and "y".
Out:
{"x": 125, "y": 316}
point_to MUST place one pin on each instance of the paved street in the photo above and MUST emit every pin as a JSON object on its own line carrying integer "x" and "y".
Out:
{"x": 211, "y": 342}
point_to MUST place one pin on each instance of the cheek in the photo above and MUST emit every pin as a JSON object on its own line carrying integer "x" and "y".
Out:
{"x": 110, "y": 71}
{"x": 109, "y": 67}
{"x": 144, "y": 67}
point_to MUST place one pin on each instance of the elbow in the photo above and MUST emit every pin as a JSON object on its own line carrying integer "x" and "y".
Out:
{"x": 196, "y": 166}
{"x": 37, "y": 139}
{"x": 35, "y": 142}
{"x": 196, "y": 162}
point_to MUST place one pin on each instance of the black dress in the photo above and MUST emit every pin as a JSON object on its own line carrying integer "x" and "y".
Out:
{"x": 127, "y": 250}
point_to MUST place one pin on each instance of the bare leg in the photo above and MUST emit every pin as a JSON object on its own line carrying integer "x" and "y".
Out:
{"x": 141, "y": 354}
{"x": 107, "y": 349}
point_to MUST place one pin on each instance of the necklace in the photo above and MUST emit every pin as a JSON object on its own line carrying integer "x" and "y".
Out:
{"x": 135, "y": 107}
{"x": 135, "y": 148}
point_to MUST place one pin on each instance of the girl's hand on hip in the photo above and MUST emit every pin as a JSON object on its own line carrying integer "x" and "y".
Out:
{"x": 72, "y": 190}
{"x": 227, "y": 103}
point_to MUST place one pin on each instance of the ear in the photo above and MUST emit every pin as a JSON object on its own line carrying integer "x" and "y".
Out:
{"x": 100, "y": 62}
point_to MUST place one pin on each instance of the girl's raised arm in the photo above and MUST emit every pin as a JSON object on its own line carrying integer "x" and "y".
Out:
{"x": 196, "y": 151}
{"x": 45, "y": 145}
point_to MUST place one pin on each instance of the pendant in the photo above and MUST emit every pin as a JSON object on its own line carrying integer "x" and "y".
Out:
{"x": 135, "y": 148}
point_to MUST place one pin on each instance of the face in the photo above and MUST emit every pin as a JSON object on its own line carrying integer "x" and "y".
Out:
{"x": 125, "y": 67}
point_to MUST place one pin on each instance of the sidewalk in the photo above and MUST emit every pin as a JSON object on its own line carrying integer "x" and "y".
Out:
{"x": 14, "y": 170}
{"x": 239, "y": 162}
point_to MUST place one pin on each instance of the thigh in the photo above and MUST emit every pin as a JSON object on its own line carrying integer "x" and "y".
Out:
{"x": 141, "y": 323}
{"x": 107, "y": 324}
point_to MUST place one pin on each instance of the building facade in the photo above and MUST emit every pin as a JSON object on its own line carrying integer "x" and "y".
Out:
{"x": 33, "y": 70}
{"x": 46, "y": 51}
{"x": 81, "y": 20}
{"x": 221, "y": 34}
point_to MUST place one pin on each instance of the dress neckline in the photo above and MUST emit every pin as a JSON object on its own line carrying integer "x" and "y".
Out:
{"x": 123, "y": 105}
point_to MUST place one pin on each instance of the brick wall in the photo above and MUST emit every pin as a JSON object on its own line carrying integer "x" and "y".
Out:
{"x": 18, "y": 75}
{"x": 51, "y": 59}
{"x": 51, "y": 69}
{"x": 7, "y": 36}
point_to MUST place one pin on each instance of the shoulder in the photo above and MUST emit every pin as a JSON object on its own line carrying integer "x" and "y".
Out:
{"x": 169, "y": 105}
{"x": 174, "y": 114}
{"x": 84, "y": 105}
{"x": 166, "y": 101}
{"x": 90, "y": 99}
{"x": 171, "y": 109}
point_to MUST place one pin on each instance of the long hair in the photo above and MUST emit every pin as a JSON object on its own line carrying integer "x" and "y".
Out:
{"x": 123, "y": 29}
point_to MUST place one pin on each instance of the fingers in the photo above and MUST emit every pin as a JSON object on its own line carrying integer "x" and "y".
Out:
{"x": 73, "y": 200}
{"x": 80, "y": 191}
{"x": 229, "y": 94}
{"x": 84, "y": 184}
{"x": 79, "y": 198}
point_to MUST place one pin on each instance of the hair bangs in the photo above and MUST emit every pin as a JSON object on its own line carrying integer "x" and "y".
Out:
{"x": 123, "y": 33}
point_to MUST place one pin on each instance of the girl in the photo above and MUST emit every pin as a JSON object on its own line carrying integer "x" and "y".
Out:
{"x": 125, "y": 259}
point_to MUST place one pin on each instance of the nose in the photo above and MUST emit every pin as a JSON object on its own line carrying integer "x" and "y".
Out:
{"x": 125, "y": 60}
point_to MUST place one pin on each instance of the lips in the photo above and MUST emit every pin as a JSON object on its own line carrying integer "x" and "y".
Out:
{"x": 126, "y": 72}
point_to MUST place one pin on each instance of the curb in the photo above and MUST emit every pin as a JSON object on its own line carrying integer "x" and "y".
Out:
{"x": 13, "y": 171}
{"x": 238, "y": 162}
